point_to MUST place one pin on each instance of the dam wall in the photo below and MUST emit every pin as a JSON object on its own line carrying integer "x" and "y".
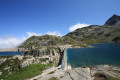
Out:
{"x": 64, "y": 61}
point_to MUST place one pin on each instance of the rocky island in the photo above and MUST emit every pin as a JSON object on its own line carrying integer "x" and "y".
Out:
{"x": 44, "y": 56}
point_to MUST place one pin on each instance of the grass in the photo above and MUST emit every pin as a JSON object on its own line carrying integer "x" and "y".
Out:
{"x": 27, "y": 72}
{"x": 52, "y": 72}
{"x": 90, "y": 42}
{"x": 53, "y": 78}
{"x": 9, "y": 65}
{"x": 79, "y": 45}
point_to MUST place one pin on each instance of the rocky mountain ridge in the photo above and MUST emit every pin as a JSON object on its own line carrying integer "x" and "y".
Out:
{"x": 109, "y": 32}
{"x": 37, "y": 42}
{"x": 113, "y": 21}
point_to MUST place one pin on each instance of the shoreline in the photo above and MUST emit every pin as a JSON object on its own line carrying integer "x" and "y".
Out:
{"x": 8, "y": 49}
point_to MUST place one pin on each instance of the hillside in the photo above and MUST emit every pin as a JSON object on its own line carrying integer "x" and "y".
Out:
{"x": 48, "y": 40}
{"x": 109, "y": 32}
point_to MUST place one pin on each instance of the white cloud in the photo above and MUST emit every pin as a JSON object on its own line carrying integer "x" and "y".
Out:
{"x": 76, "y": 26}
{"x": 56, "y": 33}
{"x": 33, "y": 34}
{"x": 11, "y": 42}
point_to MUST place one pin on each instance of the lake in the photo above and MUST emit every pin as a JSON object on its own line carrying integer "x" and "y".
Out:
{"x": 9, "y": 53}
{"x": 107, "y": 53}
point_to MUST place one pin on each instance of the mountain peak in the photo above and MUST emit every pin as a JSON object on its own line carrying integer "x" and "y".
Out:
{"x": 114, "y": 15}
{"x": 113, "y": 20}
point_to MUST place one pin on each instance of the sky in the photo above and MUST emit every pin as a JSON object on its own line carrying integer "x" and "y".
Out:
{"x": 20, "y": 19}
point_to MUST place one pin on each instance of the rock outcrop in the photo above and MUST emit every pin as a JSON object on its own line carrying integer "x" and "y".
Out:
{"x": 101, "y": 72}
{"x": 108, "y": 71}
{"x": 78, "y": 74}
{"x": 2, "y": 60}
{"x": 53, "y": 53}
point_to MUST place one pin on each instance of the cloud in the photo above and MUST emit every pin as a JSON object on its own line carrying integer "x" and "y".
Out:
{"x": 11, "y": 42}
{"x": 33, "y": 34}
{"x": 56, "y": 33}
{"x": 76, "y": 26}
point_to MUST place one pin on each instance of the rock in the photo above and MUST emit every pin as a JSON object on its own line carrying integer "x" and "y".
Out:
{"x": 2, "y": 60}
{"x": 54, "y": 53}
{"x": 46, "y": 75}
{"x": 111, "y": 71}
{"x": 88, "y": 74}
{"x": 0, "y": 73}
{"x": 18, "y": 56}
{"x": 78, "y": 74}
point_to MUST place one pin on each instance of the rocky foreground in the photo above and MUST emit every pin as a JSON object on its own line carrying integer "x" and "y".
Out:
{"x": 101, "y": 72}
{"x": 55, "y": 55}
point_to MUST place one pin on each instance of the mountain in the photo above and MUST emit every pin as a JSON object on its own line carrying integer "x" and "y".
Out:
{"x": 47, "y": 41}
{"x": 113, "y": 21}
{"x": 109, "y": 32}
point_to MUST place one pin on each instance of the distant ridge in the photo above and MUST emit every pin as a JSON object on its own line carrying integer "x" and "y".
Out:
{"x": 114, "y": 20}
{"x": 109, "y": 32}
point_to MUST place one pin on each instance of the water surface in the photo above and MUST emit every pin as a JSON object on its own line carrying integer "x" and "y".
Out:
{"x": 9, "y": 53}
{"x": 108, "y": 53}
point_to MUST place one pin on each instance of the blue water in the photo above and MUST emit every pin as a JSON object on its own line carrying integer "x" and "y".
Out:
{"x": 9, "y": 53}
{"x": 108, "y": 53}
